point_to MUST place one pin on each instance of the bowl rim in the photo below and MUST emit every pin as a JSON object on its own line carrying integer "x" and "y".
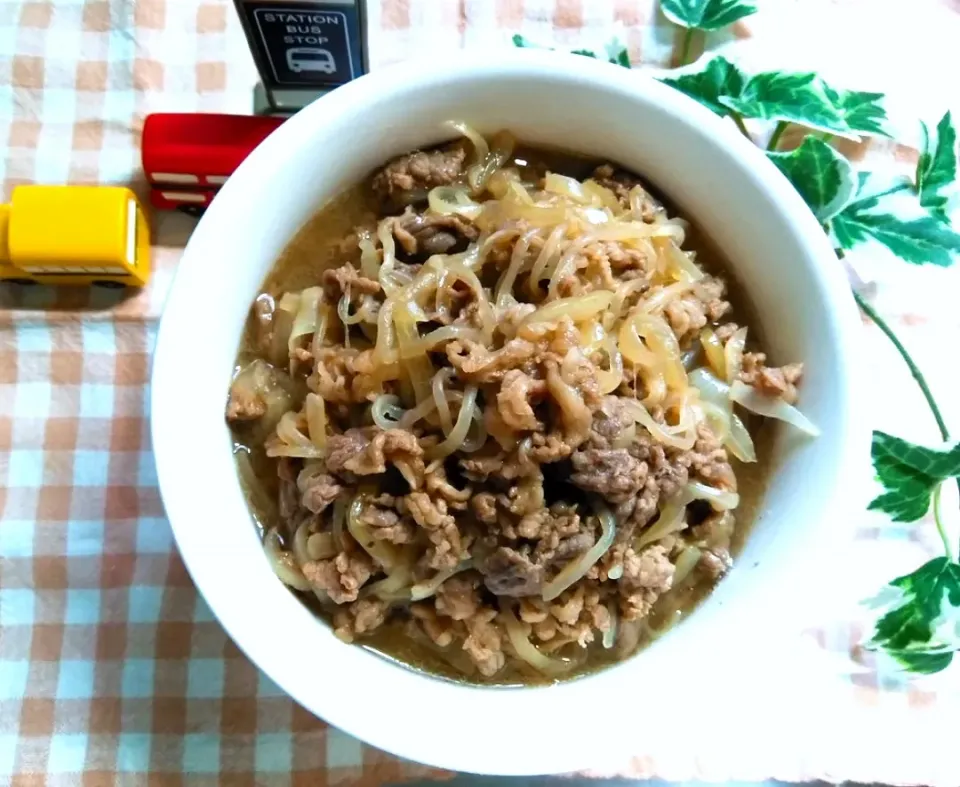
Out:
{"x": 332, "y": 701}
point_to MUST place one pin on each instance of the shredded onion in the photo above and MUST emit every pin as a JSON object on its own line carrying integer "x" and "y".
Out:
{"x": 610, "y": 379}
{"x": 733, "y": 433}
{"x": 316, "y": 420}
{"x": 460, "y": 428}
{"x": 678, "y": 262}
{"x": 720, "y": 499}
{"x": 300, "y": 551}
{"x": 770, "y": 407}
{"x": 714, "y": 351}
{"x": 672, "y": 519}
{"x": 733, "y": 354}
{"x": 739, "y": 442}
{"x": 657, "y": 430}
{"x": 428, "y": 588}
{"x": 369, "y": 258}
{"x": 686, "y": 562}
{"x": 290, "y": 441}
{"x": 610, "y": 635}
{"x": 449, "y": 200}
{"x": 262, "y": 501}
{"x": 545, "y": 259}
{"x": 283, "y": 563}
{"x": 578, "y": 308}
{"x": 385, "y": 554}
{"x": 571, "y": 188}
{"x": 517, "y": 258}
{"x": 283, "y": 319}
{"x": 321, "y": 546}
{"x": 339, "y": 518}
{"x": 518, "y": 634}
{"x": 578, "y": 567}
{"x": 305, "y": 321}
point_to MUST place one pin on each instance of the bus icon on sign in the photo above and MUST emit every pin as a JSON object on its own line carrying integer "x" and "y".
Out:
{"x": 308, "y": 59}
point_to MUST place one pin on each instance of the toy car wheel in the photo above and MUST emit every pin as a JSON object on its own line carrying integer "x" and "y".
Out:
{"x": 192, "y": 210}
{"x": 22, "y": 282}
{"x": 110, "y": 285}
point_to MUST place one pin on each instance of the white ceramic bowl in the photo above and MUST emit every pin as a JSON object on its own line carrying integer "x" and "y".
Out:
{"x": 715, "y": 176}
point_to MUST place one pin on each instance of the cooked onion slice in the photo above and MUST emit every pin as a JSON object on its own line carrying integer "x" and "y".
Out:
{"x": 518, "y": 633}
{"x": 321, "y": 546}
{"x": 678, "y": 262}
{"x": 739, "y": 442}
{"x": 577, "y": 567}
{"x": 720, "y": 499}
{"x": 660, "y": 432}
{"x": 733, "y": 354}
{"x": 610, "y": 635}
{"x": 283, "y": 563}
{"x": 316, "y": 420}
{"x": 429, "y": 588}
{"x": 734, "y": 434}
{"x": 685, "y": 564}
{"x": 714, "y": 351}
{"x": 258, "y": 494}
{"x": 459, "y": 432}
{"x": 448, "y": 200}
{"x": 578, "y": 309}
{"x": 385, "y": 554}
{"x": 672, "y": 519}
{"x": 771, "y": 407}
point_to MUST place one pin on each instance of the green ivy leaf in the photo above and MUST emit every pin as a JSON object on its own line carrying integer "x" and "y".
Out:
{"x": 719, "y": 78}
{"x": 920, "y": 630}
{"x": 861, "y": 112}
{"x": 909, "y": 474}
{"x": 792, "y": 98}
{"x": 617, "y": 53}
{"x": 824, "y": 178}
{"x": 918, "y": 241}
{"x": 937, "y": 167}
{"x": 922, "y": 663}
{"x": 706, "y": 14}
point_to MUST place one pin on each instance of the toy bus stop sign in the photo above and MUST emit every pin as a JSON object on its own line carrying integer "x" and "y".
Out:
{"x": 303, "y": 48}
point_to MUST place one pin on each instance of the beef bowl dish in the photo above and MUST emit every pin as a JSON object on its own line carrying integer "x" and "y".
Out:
{"x": 503, "y": 415}
{"x": 462, "y": 419}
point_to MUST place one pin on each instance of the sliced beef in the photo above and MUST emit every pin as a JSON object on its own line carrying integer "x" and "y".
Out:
{"x": 646, "y": 576}
{"x": 360, "y": 617}
{"x": 508, "y": 572}
{"x": 421, "y": 235}
{"x": 771, "y": 381}
{"x": 346, "y": 278}
{"x": 318, "y": 489}
{"x": 366, "y": 451}
{"x": 432, "y": 514}
{"x": 340, "y": 577}
{"x": 407, "y": 179}
{"x": 611, "y": 473}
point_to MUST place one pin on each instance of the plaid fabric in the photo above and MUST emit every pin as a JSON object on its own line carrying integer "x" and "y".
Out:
{"x": 112, "y": 670}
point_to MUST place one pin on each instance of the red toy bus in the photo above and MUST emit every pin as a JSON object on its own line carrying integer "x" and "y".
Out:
{"x": 188, "y": 157}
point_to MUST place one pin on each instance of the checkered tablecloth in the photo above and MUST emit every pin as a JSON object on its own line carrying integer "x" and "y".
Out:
{"x": 112, "y": 669}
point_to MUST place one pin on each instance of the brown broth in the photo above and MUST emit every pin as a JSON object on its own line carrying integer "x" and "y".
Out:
{"x": 319, "y": 245}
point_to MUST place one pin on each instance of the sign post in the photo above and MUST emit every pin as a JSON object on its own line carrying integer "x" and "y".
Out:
{"x": 303, "y": 49}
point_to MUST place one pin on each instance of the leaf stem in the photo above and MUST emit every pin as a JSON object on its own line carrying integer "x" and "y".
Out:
{"x": 940, "y": 528}
{"x": 777, "y": 133}
{"x": 914, "y": 370}
{"x": 685, "y": 46}
{"x": 826, "y": 136}
{"x": 738, "y": 119}
{"x": 924, "y": 389}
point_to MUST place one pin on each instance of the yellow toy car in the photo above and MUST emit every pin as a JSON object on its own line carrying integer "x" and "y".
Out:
{"x": 74, "y": 235}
